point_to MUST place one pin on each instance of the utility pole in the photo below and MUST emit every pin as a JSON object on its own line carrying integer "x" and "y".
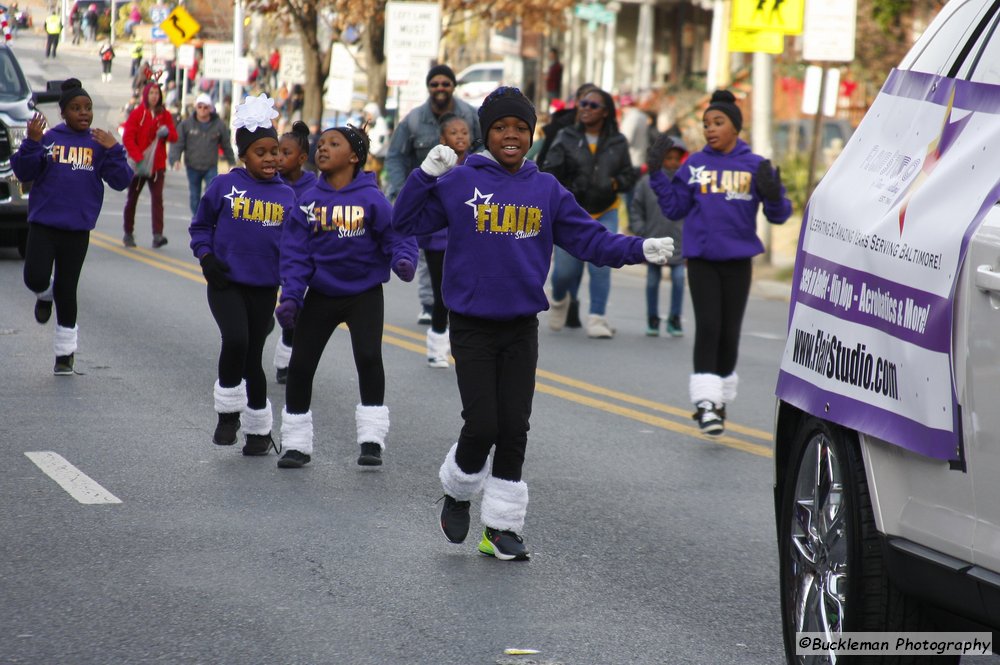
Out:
{"x": 763, "y": 103}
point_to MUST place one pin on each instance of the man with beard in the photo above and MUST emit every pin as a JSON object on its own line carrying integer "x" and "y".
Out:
{"x": 413, "y": 138}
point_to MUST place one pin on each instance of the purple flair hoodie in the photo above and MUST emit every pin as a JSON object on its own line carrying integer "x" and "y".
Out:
{"x": 341, "y": 241}
{"x": 716, "y": 195}
{"x": 501, "y": 228}
{"x": 66, "y": 170}
{"x": 239, "y": 220}
{"x": 302, "y": 185}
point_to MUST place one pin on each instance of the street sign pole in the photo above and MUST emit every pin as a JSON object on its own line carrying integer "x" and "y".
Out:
{"x": 237, "y": 97}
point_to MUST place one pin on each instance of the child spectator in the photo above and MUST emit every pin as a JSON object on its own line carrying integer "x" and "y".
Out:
{"x": 107, "y": 53}
{"x": 503, "y": 218}
{"x": 340, "y": 246}
{"x": 235, "y": 236}
{"x": 647, "y": 221}
{"x": 67, "y": 167}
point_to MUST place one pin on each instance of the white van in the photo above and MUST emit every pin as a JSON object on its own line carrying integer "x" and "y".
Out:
{"x": 477, "y": 81}
{"x": 887, "y": 429}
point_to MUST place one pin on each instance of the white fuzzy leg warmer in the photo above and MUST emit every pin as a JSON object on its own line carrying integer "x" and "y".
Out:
{"x": 230, "y": 400}
{"x": 706, "y": 387}
{"x": 282, "y": 354}
{"x": 438, "y": 348}
{"x": 372, "y": 423}
{"x": 297, "y": 431}
{"x": 729, "y": 384}
{"x": 64, "y": 342}
{"x": 257, "y": 421}
{"x": 458, "y": 484}
{"x": 505, "y": 503}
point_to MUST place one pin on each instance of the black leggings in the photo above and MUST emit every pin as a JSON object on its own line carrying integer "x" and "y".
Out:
{"x": 64, "y": 251}
{"x": 719, "y": 292}
{"x": 243, "y": 314}
{"x": 364, "y": 315}
{"x": 495, "y": 362}
{"x": 439, "y": 313}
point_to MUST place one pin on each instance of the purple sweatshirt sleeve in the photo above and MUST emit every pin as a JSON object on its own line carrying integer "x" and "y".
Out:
{"x": 675, "y": 198}
{"x": 115, "y": 171}
{"x": 588, "y": 240}
{"x": 395, "y": 244}
{"x": 202, "y": 227}
{"x": 417, "y": 210}
{"x": 296, "y": 265}
{"x": 28, "y": 161}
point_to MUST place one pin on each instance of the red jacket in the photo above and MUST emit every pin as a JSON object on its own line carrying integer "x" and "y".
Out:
{"x": 140, "y": 131}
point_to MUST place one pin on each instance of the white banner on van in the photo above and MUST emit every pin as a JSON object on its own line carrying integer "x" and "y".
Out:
{"x": 870, "y": 333}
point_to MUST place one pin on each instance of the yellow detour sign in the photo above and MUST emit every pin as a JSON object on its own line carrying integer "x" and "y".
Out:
{"x": 755, "y": 41}
{"x": 783, "y": 16}
{"x": 180, "y": 26}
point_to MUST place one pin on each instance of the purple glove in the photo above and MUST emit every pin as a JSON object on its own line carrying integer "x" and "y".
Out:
{"x": 286, "y": 313}
{"x": 404, "y": 269}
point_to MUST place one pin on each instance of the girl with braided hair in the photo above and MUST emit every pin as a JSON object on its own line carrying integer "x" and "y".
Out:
{"x": 336, "y": 252}
{"x": 293, "y": 150}
{"x": 503, "y": 217}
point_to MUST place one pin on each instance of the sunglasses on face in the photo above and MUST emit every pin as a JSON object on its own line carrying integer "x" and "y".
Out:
{"x": 439, "y": 84}
{"x": 585, "y": 104}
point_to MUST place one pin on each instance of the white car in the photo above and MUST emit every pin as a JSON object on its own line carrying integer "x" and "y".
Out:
{"x": 887, "y": 429}
{"x": 477, "y": 81}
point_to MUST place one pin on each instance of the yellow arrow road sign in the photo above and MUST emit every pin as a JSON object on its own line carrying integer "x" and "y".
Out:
{"x": 180, "y": 26}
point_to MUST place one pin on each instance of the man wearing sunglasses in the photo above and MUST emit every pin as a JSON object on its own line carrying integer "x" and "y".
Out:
{"x": 413, "y": 138}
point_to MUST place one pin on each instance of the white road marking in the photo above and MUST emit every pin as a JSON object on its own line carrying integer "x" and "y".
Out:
{"x": 79, "y": 485}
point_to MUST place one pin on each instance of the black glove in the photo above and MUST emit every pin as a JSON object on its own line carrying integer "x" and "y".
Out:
{"x": 656, "y": 152}
{"x": 215, "y": 271}
{"x": 768, "y": 181}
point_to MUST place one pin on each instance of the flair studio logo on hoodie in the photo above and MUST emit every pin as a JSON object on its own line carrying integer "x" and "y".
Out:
{"x": 734, "y": 184}
{"x": 79, "y": 158}
{"x": 347, "y": 220}
{"x": 265, "y": 213}
{"x": 520, "y": 221}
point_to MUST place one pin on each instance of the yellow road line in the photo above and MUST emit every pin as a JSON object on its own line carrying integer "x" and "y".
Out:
{"x": 191, "y": 271}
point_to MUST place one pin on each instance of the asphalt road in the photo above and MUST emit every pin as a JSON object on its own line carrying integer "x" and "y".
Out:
{"x": 651, "y": 543}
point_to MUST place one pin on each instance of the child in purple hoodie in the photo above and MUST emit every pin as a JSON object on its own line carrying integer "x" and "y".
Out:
{"x": 235, "y": 236}
{"x": 503, "y": 217}
{"x": 335, "y": 254}
{"x": 66, "y": 166}
{"x": 293, "y": 147}
{"x": 718, "y": 191}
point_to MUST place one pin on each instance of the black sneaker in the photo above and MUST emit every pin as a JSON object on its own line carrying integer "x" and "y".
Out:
{"x": 225, "y": 430}
{"x": 293, "y": 459}
{"x": 43, "y": 310}
{"x": 281, "y": 375}
{"x": 653, "y": 326}
{"x": 454, "y": 519}
{"x": 128, "y": 240}
{"x": 259, "y": 444}
{"x": 425, "y": 316}
{"x": 710, "y": 421}
{"x": 674, "y": 328}
{"x": 573, "y": 315}
{"x": 504, "y": 545}
{"x": 63, "y": 366}
{"x": 371, "y": 454}
{"x": 159, "y": 241}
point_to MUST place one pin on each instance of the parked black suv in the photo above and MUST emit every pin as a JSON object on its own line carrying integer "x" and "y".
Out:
{"x": 17, "y": 104}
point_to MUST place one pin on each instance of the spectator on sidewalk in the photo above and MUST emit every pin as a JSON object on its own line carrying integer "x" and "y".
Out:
{"x": 53, "y": 28}
{"x": 107, "y": 54}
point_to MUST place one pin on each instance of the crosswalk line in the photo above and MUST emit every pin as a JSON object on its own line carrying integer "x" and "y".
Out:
{"x": 79, "y": 485}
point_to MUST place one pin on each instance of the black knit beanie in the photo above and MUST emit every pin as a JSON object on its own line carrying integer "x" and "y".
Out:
{"x": 503, "y": 102}
{"x": 244, "y": 137}
{"x": 440, "y": 70}
{"x": 71, "y": 88}
{"x": 724, "y": 102}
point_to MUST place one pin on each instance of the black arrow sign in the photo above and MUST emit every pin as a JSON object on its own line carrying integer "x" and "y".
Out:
{"x": 177, "y": 26}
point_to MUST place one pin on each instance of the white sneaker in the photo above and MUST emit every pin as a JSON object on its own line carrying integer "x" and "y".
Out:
{"x": 599, "y": 328}
{"x": 438, "y": 349}
{"x": 710, "y": 418}
{"x": 557, "y": 313}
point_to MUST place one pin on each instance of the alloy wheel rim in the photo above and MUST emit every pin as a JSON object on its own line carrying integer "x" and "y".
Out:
{"x": 818, "y": 543}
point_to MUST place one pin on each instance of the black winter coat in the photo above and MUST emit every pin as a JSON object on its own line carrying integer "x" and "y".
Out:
{"x": 588, "y": 176}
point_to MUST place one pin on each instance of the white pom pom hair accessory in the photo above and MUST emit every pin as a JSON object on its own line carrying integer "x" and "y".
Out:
{"x": 255, "y": 113}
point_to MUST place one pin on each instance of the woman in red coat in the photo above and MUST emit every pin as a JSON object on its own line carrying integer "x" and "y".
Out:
{"x": 149, "y": 122}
